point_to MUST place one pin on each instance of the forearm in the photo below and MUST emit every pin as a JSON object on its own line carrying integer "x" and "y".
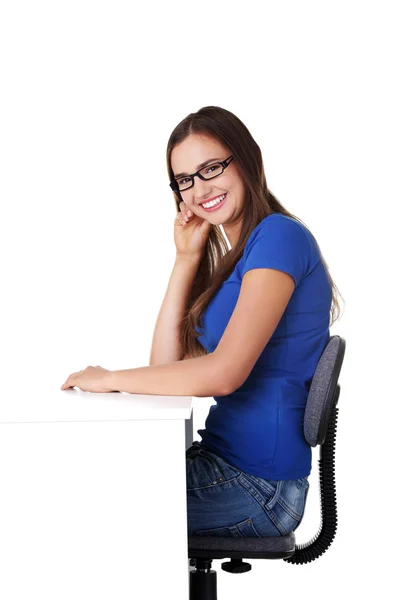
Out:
{"x": 166, "y": 346}
{"x": 202, "y": 377}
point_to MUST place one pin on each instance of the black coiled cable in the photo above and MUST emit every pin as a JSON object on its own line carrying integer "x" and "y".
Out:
{"x": 311, "y": 550}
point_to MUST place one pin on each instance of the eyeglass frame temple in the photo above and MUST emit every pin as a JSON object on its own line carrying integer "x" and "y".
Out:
{"x": 225, "y": 163}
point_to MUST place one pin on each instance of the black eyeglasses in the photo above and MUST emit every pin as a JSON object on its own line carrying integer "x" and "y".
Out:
{"x": 186, "y": 182}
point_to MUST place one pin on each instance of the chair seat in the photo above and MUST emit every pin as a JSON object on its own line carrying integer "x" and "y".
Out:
{"x": 226, "y": 547}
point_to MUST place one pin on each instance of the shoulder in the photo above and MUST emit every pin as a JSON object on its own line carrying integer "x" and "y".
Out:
{"x": 280, "y": 242}
{"x": 280, "y": 222}
{"x": 278, "y": 229}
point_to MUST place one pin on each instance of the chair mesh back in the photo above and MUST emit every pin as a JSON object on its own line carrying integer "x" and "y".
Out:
{"x": 324, "y": 391}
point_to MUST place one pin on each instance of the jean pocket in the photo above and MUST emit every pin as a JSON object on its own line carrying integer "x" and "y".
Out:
{"x": 302, "y": 501}
{"x": 243, "y": 529}
{"x": 266, "y": 492}
{"x": 289, "y": 510}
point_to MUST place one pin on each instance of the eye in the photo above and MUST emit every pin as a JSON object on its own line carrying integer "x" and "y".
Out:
{"x": 212, "y": 167}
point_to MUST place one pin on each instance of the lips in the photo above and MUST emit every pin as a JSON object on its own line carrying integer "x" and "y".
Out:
{"x": 210, "y": 199}
{"x": 217, "y": 206}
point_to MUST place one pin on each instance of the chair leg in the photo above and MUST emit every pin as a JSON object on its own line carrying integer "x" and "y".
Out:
{"x": 203, "y": 580}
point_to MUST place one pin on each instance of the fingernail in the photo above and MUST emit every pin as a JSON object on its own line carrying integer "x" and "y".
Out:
{"x": 189, "y": 213}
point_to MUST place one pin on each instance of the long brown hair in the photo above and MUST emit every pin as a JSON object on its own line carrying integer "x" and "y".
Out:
{"x": 217, "y": 263}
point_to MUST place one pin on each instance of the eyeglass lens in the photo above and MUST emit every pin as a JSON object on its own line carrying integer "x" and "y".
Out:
{"x": 208, "y": 172}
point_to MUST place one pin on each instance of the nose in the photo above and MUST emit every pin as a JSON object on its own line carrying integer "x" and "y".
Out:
{"x": 202, "y": 190}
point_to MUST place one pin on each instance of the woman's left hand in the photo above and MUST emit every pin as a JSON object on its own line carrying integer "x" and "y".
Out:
{"x": 91, "y": 379}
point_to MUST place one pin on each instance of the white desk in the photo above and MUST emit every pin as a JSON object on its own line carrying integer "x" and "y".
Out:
{"x": 93, "y": 495}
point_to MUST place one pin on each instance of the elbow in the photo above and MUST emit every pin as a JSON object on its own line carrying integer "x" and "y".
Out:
{"x": 228, "y": 387}
{"x": 228, "y": 381}
{"x": 225, "y": 388}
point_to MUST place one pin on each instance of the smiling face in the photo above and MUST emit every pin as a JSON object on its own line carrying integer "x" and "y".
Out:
{"x": 186, "y": 158}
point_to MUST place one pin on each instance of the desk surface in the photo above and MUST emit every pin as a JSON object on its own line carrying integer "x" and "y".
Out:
{"x": 47, "y": 403}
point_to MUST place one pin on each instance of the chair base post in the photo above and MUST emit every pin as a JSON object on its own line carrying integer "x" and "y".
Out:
{"x": 203, "y": 581}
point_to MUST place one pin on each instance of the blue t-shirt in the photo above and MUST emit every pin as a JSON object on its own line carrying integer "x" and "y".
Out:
{"x": 259, "y": 427}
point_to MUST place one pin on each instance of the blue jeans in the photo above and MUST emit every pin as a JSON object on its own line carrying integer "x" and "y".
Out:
{"x": 224, "y": 501}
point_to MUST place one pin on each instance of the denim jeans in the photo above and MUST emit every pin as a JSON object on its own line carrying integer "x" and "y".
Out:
{"x": 224, "y": 501}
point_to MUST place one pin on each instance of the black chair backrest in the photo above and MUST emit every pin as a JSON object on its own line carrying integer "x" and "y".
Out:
{"x": 324, "y": 391}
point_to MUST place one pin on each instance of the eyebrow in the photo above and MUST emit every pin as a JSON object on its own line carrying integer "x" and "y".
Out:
{"x": 203, "y": 164}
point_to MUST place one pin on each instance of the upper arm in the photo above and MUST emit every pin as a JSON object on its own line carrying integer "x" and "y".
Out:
{"x": 263, "y": 298}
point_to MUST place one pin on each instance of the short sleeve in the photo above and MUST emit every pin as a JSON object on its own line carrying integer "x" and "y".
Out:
{"x": 279, "y": 243}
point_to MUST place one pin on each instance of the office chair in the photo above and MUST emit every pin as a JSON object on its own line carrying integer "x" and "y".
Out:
{"x": 320, "y": 419}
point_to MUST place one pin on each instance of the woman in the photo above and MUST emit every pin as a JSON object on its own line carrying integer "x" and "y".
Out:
{"x": 246, "y": 326}
{"x": 249, "y": 474}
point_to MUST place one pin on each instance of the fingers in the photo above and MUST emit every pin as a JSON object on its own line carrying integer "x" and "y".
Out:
{"x": 185, "y": 214}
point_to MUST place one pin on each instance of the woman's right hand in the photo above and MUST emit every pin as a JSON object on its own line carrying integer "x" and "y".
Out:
{"x": 190, "y": 234}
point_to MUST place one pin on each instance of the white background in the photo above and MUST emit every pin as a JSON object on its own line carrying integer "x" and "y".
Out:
{"x": 90, "y": 92}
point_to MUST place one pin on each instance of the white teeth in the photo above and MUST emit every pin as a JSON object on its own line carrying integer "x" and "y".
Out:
{"x": 214, "y": 202}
